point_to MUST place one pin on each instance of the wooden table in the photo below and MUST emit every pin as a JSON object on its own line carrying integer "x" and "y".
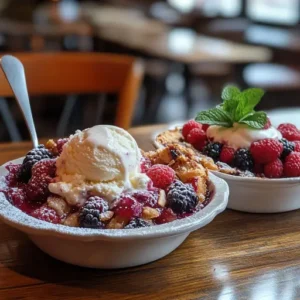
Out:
{"x": 237, "y": 256}
{"x": 284, "y": 42}
{"x": 131, "y": 29}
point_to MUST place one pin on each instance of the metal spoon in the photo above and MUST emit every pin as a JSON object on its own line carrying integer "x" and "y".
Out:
{"x": 14, "y": 72}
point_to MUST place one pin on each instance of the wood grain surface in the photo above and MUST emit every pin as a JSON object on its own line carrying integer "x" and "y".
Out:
{"x": 237, "y": 256}
{"x": 128, "y": 28}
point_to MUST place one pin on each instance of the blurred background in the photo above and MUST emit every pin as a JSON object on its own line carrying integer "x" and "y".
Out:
{"x": 190, "y": 50}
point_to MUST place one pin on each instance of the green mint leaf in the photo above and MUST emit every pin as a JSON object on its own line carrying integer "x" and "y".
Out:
{"x": 230, "y": 106}
{"x": 256, "y": 120}
{"x": 215, "y": 116}
{"x": 230, "y": 92}
{"x": 247, "y": 99}
{"x": 228, "y": 95}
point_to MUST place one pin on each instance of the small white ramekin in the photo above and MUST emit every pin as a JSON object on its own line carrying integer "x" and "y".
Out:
{"x": 262, "y": 195}
{"x": 112, "y": 248}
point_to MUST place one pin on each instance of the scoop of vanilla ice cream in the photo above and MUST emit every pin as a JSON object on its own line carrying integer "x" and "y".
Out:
{"x": 102, "y": 160}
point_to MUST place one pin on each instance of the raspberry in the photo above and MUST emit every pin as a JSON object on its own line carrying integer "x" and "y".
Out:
{"x": 166, "y": 216}
{"x": 187, "y": 127}
{"x": 16, "y": 196}
{"x": 227, "y": 155}
{"x": 145, "y": 164}
{"x": 291, "y": 167}
{"x": 137, "y": 223}
{"x": 42, "y": 174}
{"x": 297, "y": 146}
{"x": 162, "y": 176}
{"x": 289, "y": 132}
{"x": 181, "y": 197}
{"x": 291, "y": 135}
{"x": 32, "y": 157}
{"x": 47, "y": 214}
{"x": 205, "y": 127}
{"x": 147, "y": 198}
{"x": 274, "y": 169}
{"x": 12, "y": 178}
{"x": 287, "y": 127}
{"x": 266, "y": 150}
{"x": 90, "y": 213}
{"x": 200, "y": 145}
{"x": 268, "y": 124}
{"x": 126, "y": 206}
{"x": 243, "y": 160}
{"x": 44, "y": 168}
{"x": 288, "y": 147}
{"x": 213, "y": 150}
{"x": 60, "y": 143}
{"x": 195, "y": 136}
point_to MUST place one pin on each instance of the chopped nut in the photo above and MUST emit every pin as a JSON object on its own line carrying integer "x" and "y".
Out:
{"x": 201, "y": 185}
{"x": 106, "y": 216}
{"x": 117, "y": 223}
{"x": 172, "y": 162}
{"x": 188, "y": 172}
{"x": 59, "y": 205}
{"x": 52, "y": 146}
{"x": 72, "y": 220}
{"x": 209, "y": 163}
{"x": 150, "y": 213}
{"x": 165, "y": 156}
{"x": 162, "y": 199}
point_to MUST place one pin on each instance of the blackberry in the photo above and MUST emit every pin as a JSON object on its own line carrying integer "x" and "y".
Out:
{"x": 32, "y": 157}
{"x": 213, "y": 150}
{"x": 137, "y": 223}
{"x": 243, "y": 160}
{"x": 288, "y": 147}
{"x": 98, "y": 203}
{"x": 181, "y": 197}
{"x": 89, "y": 216}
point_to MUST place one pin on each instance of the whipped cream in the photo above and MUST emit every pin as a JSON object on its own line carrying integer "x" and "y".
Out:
{"x": 240, "y": 136}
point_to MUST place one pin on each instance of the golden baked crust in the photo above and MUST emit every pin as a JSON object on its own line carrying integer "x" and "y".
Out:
{"x": 174, "y": 137}
{"x": 188, "y": 165}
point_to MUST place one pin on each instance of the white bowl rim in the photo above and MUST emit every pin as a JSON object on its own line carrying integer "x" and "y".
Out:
{"x": 16, "y": 218}
{"x": 259, "y": 180}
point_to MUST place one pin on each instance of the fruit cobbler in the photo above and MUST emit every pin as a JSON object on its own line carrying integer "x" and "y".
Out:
{"x": 240, "y": 140}
{"x": 99, "y": 178}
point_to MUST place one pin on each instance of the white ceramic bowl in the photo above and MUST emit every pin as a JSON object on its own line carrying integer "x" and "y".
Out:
{"x": 112, "y": 248}
{"x": 262, "y": 195}
{"x": 258, "y": 195}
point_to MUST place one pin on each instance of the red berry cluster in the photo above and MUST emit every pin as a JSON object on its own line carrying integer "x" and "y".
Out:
{"x": 277, "y": 159}
{"x": 195, "y": 134}
{"x": 132, "y": 205}
{"x": 268, "y": 157}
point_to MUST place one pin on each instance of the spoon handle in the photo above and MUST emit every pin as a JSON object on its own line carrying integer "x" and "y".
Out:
{"x": 14, "y": 72}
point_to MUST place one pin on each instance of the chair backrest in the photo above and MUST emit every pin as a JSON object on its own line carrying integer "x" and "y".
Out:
{"x": 75, "y": 73}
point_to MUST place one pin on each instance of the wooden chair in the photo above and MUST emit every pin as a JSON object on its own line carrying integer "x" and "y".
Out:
{"x": 82, "y": 73}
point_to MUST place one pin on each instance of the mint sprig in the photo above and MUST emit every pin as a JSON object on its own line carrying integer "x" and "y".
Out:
{"x": 237, "y": 107}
